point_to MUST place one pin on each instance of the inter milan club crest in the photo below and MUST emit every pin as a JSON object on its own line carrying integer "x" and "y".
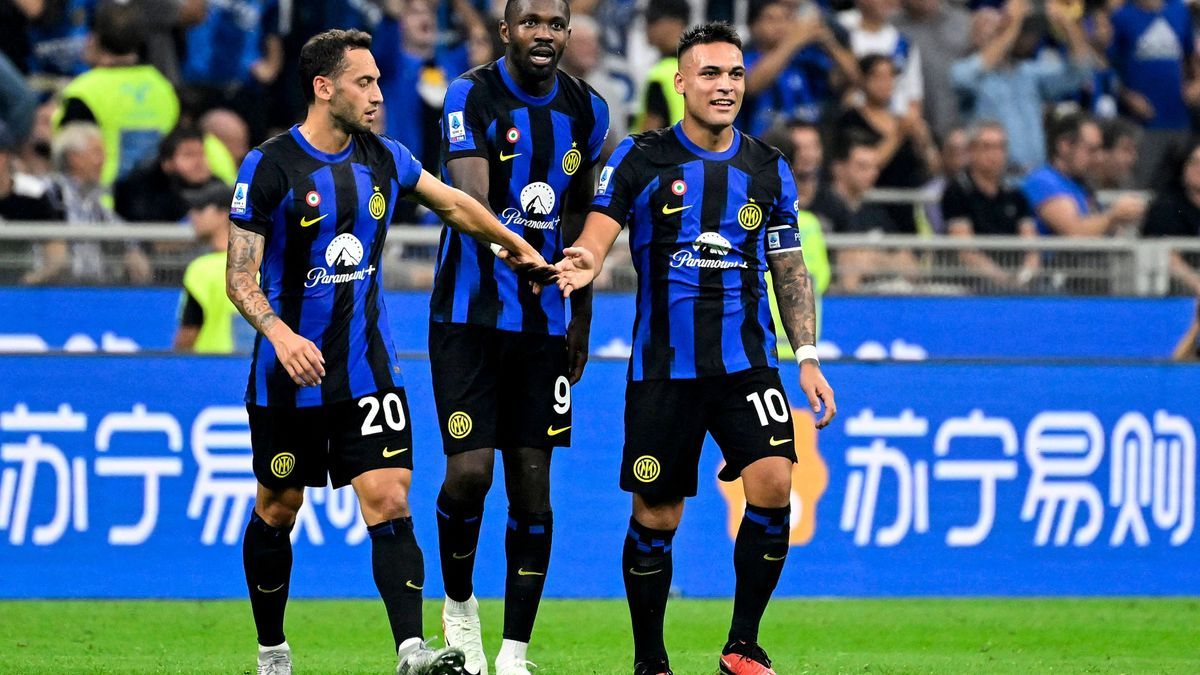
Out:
{"x": 378, "y": 205}
{"x": 679, "y": 188}
{"x": 513, "y": 135}
{"x": 571, "y": 161}
{"x": 750, "y": 216}
{"x": 313, "y": 198}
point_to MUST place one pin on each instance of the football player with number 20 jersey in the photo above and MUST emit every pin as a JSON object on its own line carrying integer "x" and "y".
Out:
{"x": 325, "y": 396}
{"x": 709, "y": 211}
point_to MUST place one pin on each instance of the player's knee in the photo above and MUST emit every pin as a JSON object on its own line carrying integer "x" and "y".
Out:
{"x": 279, "y": 507}
{"x": 658, "y": 514}
{"x": 771, "y": 490}
{"x": 467, "y": 481}
{"x": 385, "y": 505}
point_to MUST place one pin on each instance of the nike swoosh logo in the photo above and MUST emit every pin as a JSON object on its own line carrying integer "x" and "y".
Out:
{"x": 505, "y": 158}
{"x": 393, "y": 453}
{"x": 643, "y": 574}
{"x": 305, "y": 222}
{"x": 263, "y": 590}
{"x": 413, "y": 586}
{"x": 668, "y": 210}
{"x": 463, "y": 556}
{"x": 551, "y": 431}
{"x": 779, "y": 441}
{"x": 770, "y": 558}
{"x": 522, "y": 572}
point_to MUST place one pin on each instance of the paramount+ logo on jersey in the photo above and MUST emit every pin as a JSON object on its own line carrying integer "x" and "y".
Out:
{"x": 343, "y": 256}
{"x": 537, "y": 202}
{"x": 710, "y": 251}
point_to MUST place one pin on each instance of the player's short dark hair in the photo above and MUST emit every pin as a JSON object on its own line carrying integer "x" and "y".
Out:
{"x": 657, "y": 10}
{"x": 850, "y": 140}
{"x": 181, "y": 134}
{"x": 510, "y": 8}
{"x": 324, "y": 55}
{"x": 708, "y": 33}
{"x": 120, "y": 27}
{"x": 1065, "y": 128}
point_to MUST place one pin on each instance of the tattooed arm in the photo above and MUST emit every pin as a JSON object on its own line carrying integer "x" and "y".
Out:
{"x": 797, "y": 310}
{"x": 298, "y": 355}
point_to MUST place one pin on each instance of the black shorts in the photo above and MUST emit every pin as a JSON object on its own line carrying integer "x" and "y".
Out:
{"x": 294, "y": 447}
{"x": 747, "y": 414}
{"x": 499, "y": 389}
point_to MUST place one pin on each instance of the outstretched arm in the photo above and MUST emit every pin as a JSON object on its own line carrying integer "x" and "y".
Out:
{"x": 579, "y": 197}
{"x": 583, "y": 261}
{"x": 797, "y": 311}
{"x": 298, "y": 354}
{"x": 464, "y": 213}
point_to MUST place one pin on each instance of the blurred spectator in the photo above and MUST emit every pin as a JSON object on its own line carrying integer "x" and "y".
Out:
{"x": 954, "y": 161}
{"x": 229, "y": 64}
{"x": 872, "y": 32}
{"x": 34, "y": 153}
{"x": 231, "y": 136}
{"x": 1154, "y": 55}
{"x": 906, "y": 152}
{"x": 132, "y": 103}
{"x": 17, "y": 101}
{"x": 15, "y": 19}
{"x": 977, "y": 202}
{"x": 22, "y": 198}
{"x": 661, "y": 105}
{"x": 1003, "y": 80}
{"x": 942, "y": 34}
{"x": 78, "y": 158}
{"x": 1114, "y": 170}
{"x": 1175, "y": 211}
{"x": 157, "y": 191}
{"x": 855, "y": 168}
{"x": 789, "y": 64}
{"x": 166, "y": 21}
{"x": 206, "y": 316}
{"x": 586, "y": 60}
{"x": 1058, "y": 191}
{"x": 59, "y": 38}
{"x": 800, "y": 143}
{"x": 412, "y": 77}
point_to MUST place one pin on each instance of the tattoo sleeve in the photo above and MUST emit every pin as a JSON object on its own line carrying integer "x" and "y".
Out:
{"x": 794, "y": 293}
{"x": 241, "y": 278}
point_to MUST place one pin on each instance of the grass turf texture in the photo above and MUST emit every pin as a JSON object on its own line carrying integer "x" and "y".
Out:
{"x": 582, "y": 637}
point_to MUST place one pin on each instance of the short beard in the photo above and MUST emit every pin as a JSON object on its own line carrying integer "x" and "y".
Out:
{"x": 347, "y": 123}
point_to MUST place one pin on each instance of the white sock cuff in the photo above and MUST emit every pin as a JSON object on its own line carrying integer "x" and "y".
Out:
{"x": 468, "y": 607}
{"x": 513, "y": 650}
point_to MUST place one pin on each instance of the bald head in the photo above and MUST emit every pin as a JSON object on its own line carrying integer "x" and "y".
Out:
{"x": 230, "y": 129}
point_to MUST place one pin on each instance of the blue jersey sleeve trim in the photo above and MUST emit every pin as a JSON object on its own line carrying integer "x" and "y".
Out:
{"x": 610, "y": 184}
{"x": 408, "y": 167}
{"x": 462, "y": 135}
{"x": 600, "y": 130}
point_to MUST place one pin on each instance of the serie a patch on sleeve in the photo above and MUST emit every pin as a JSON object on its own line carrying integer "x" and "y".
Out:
{"x": 783, "y": 238}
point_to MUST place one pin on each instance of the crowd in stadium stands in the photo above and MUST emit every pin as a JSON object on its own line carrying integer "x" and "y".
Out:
{"x": 1016, "y": 111}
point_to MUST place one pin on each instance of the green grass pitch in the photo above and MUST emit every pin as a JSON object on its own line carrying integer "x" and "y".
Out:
{"x": 583, "y": 637}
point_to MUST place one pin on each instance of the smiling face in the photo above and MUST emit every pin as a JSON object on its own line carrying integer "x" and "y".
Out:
{"x": 354, "y": 96}
{"x": 536, "y": 33}
{"x": 712, "y": 80}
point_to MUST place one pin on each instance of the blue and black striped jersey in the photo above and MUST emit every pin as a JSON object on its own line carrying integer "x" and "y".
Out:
{"x": 535, "y": 147}
{"x": 701, "y": 225}
{"x": 324, "y": 218}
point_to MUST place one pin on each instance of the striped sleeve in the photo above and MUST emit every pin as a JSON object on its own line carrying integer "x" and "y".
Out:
{"x": 408, "y": 168}
{"x": 259, "y": 188}
{"x": 600, "y": 129}
{"x": 464, "y": 133}
{"x": 618, "y": 183}
{"x": 783, "y": 234}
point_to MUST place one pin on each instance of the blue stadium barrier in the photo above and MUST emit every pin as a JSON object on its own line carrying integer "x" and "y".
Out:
{"x": 904, "y": 328}
{"x": 128, "y": 476}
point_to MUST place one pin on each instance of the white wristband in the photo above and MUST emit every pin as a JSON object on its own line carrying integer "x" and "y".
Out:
{"x": 806, "y": 352}
{"x": 496, "y": 248}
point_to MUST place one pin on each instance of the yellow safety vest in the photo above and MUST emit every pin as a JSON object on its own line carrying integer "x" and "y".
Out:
{"x": 205, "y": 281}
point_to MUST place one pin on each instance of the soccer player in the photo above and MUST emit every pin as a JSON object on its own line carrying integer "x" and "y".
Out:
{"x": 709, "y": 210}
{"x": 521, "y": 137}
{"x": 325, "y": 397}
